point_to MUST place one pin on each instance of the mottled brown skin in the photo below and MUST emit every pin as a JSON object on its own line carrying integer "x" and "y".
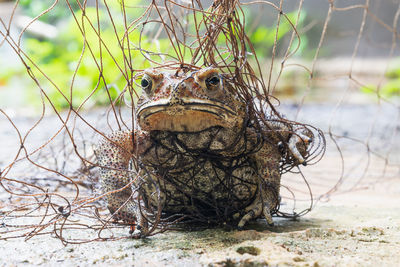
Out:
{"x": 193, "y": 129}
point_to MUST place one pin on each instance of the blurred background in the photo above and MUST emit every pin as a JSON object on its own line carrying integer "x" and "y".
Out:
{"x": 55, "y": 43}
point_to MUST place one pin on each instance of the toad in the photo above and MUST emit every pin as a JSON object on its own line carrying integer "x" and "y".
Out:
{"x": 199, "y": 154}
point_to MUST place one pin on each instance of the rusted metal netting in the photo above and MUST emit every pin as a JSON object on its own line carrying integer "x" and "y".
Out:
{"x": 52, "y": 187}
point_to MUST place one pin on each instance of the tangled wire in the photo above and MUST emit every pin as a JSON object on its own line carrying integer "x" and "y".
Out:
{"x": 62, "y": 194}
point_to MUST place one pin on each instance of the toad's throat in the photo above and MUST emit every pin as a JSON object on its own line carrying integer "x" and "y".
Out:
{"x": 185, "y": 117}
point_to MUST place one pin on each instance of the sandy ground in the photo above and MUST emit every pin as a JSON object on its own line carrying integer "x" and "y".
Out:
{"x": 353, "y": 229}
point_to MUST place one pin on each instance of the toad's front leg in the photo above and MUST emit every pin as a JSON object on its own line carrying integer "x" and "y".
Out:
{"x": 263, "y": 205}
{"x": 299, "y": 142}
{"x": 296, "y": 137}
{"x": 267, "y": 160}
{"x": 114, "y": 154}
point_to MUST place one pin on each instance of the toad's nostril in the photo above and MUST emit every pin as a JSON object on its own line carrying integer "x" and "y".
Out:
{"x": 175, "y": 99}
{"x": 182, "y": 89}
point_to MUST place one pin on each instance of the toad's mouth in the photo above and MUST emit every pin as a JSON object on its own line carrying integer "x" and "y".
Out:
{"x": 193, "y": 116}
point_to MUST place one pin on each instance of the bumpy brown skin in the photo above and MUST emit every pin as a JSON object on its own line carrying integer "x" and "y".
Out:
{"x": 194, "y": 129}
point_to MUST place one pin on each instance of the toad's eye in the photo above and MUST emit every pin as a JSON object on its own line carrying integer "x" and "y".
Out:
{"x": 213, "y": 82}
{"x": 146, "y": 84}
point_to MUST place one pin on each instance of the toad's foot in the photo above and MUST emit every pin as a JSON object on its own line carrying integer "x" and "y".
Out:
{"x": 141, "y": 227}
{"x": 299, "y": 139}
{"x": 254, "y": 211}
{"x": 139, "y": 232}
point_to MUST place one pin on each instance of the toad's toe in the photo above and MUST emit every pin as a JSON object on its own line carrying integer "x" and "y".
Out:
{"x": 252, "y": 212}
{"x": 139, "y": 232}
{"x": 267, "y": 215}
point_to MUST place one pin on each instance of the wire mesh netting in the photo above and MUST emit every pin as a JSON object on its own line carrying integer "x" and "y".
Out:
{"x": 84, "y": 83}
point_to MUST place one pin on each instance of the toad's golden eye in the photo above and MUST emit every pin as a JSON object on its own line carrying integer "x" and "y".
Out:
{"x": 213, "y": 83}
{"x": 146, "y": 84}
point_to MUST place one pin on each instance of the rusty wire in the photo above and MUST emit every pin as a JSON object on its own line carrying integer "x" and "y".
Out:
{"x": 51, "y": 187}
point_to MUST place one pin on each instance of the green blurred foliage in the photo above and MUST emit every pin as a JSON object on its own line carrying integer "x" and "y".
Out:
{"x": 33, "y": 8}
{"x": 83, "y": 68}
{"x": 390, "y": 88}
{"x": 80, "y": 69}
{"x": 263, "y": 38}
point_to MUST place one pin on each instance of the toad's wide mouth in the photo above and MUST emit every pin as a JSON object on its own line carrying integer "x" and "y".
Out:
{"x": 193, "y": 116}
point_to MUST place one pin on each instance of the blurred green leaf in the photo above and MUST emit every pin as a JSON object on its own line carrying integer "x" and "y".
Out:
{"x": 263, "y": 38}
{"x": 389, "y": 89}
{"x": 89, "y": 68}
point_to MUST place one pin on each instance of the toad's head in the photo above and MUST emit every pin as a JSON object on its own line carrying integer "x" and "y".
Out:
{"x": 189, "y": 102}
